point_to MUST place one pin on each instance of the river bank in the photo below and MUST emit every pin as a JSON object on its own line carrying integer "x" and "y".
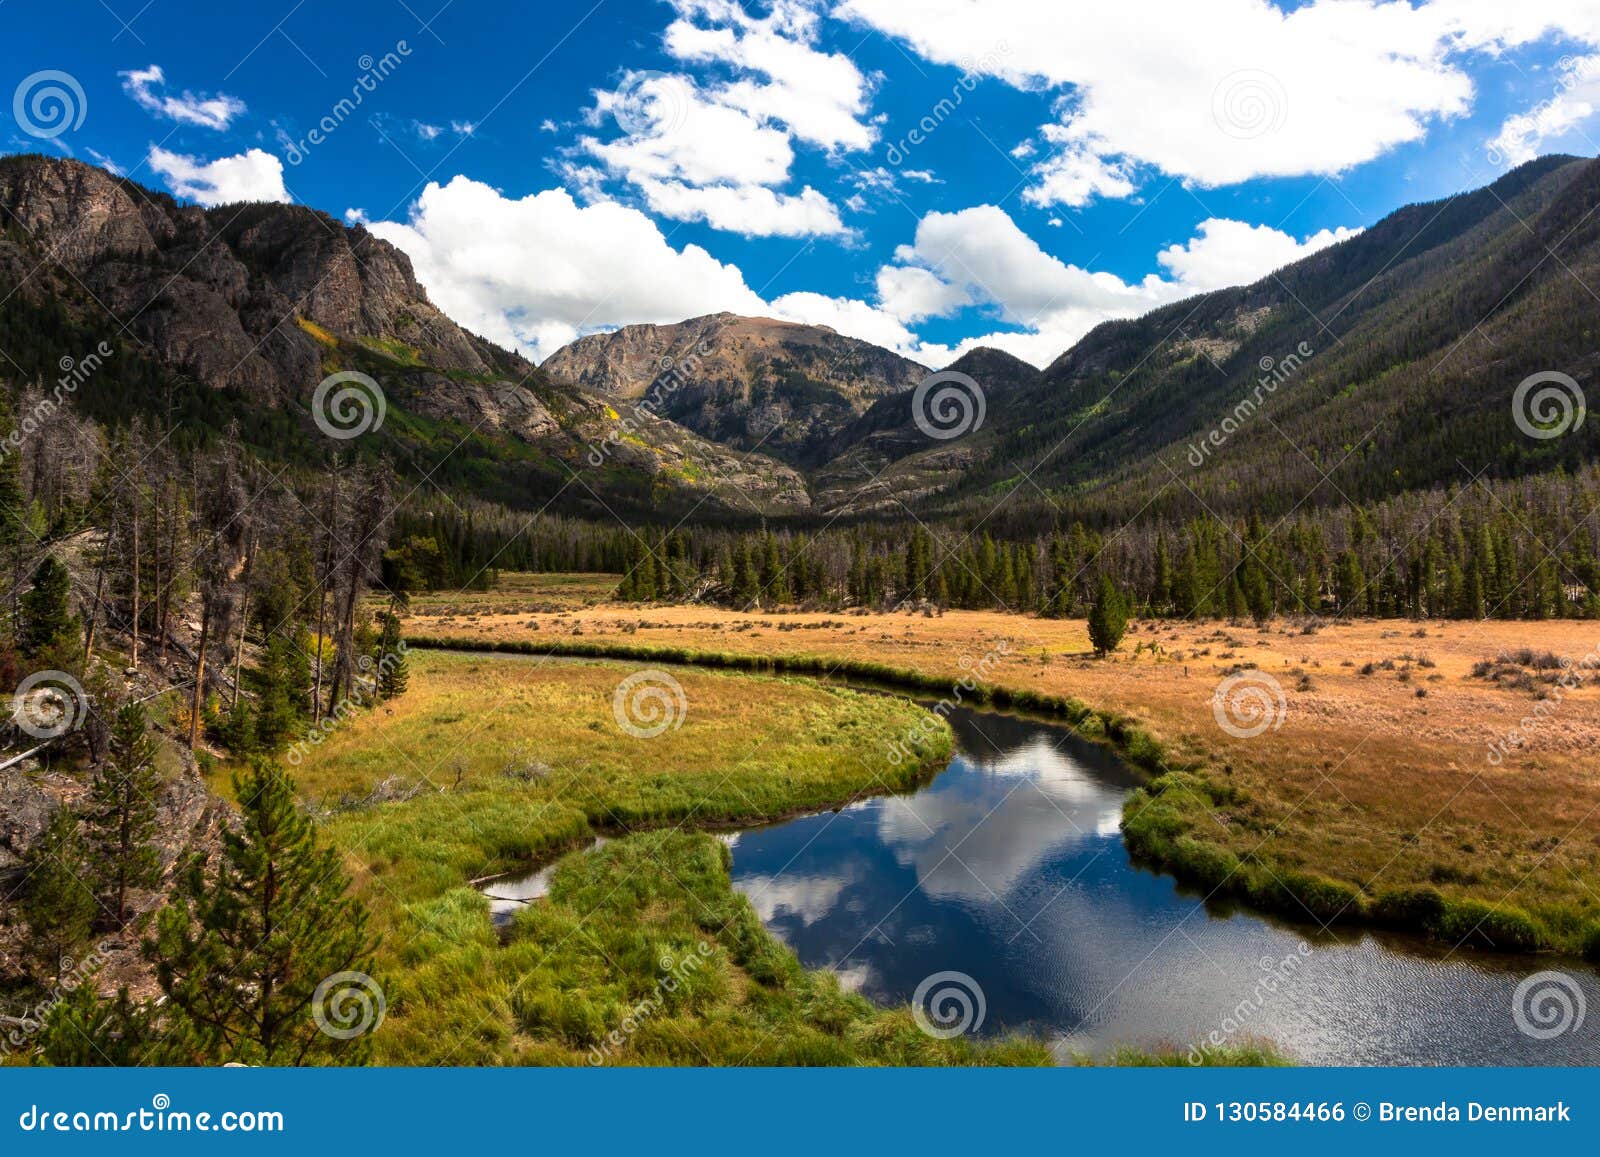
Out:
{"x": 1369, "y": 777}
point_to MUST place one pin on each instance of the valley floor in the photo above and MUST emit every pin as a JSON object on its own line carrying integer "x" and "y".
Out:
{"x": 1364, "y": 753}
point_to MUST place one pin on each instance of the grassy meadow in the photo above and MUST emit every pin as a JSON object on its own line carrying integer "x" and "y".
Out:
{"x": 1386, "y": 792}
{"x": 643, "y": 952}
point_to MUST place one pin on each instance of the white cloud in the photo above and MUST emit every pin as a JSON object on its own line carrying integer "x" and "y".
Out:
{"x": 1075, "y": 176}
{"x": 752, "y": 210}
{"x": 107, "y": 163}
{"x": 211, "y": 112}
{"x": 680, "y": 135}
{"x": 820, "y": 97}
{"x": 1523, "y": 136}
{"x": 1226, "y": 91}
{"x": 538, "y": 271}
{"x": 1224, "y": 253}
{"x": 912, "y": 293}
{"x": 720, "y": 148}
{"x": 980, "y": 255}
{"x": 857, "y": 319}
{"x": 251, "y": 176}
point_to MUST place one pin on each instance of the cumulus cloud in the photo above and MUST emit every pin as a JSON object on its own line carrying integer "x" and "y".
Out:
{"x": 820, "y": 97}
{"x": 1224, "y": 253}
{"x": 857, "y": 319}
{"x": 980, "y": 255}
{"x": 251, "y": 176}
{"x": 538, "y": 271}
{"x": 912, "y": 293}
{"x": 1577, "y": 98}
{"x": 211, "y": 112}
{"x": 720, "y": 148}
{"x": 1226, "y": 91}
{"x": 752, "y": 210}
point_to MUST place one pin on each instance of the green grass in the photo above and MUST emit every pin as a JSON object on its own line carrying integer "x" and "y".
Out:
{"x": 1168, "y": 823}
{"x": 542, "y": 767}
{"x": 644, "y": 954}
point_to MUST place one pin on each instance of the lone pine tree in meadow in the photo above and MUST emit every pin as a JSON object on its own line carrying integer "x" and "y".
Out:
{"x": 1108, "y": 617}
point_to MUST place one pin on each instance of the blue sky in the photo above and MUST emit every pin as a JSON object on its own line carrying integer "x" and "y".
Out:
{"x": 927, "y": 174}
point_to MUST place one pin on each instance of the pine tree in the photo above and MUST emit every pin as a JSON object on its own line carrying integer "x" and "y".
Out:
{"x": 241, "y": 953}
{"x": 281, "y": 681}
{"x": 1349, "y": 583}
{"x": 47, "y": 618}
{"x": 1108, "y": 617}
{"x": 393, "y": 673}
{"x": 84, "y": 1031}
{"x": 121, "y": 816}
{"x": 58, "y": 904}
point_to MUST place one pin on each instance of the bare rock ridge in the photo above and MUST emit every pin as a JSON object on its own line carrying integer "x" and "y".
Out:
{"x": 749, "y": 382}
{"x": 264, "y": 300}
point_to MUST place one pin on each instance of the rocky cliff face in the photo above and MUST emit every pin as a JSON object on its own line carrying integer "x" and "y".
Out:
{"x": 264, "y": 301}
{"x": 217, "y": 292}
{"x": 750, "y": 383}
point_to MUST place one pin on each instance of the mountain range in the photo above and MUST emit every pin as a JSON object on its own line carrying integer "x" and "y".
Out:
{"x": 1384, "y": 364}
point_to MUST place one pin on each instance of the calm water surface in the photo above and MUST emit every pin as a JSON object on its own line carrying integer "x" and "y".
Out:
{"x": 1009, "y": 867}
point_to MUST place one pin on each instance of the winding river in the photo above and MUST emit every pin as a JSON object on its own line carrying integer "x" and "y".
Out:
{"x": 1008, "y": 868}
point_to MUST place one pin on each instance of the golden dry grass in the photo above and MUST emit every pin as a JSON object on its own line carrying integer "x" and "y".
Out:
{"x": 1364, "y": 780}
